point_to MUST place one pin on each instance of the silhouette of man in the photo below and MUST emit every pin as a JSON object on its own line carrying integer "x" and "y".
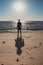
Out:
{"x": 19, "y": 27}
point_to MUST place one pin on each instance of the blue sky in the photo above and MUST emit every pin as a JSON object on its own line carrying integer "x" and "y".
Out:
{"x": 34, "y": 10}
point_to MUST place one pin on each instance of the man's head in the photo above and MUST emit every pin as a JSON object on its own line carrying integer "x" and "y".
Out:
{"x": 18, "y": 20}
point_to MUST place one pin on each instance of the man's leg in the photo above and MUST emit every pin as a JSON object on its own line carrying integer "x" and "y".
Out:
{"x": 18, "y": 32}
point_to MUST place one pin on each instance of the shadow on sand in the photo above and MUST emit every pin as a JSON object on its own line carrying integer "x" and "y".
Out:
{"x": 19, "y": 43}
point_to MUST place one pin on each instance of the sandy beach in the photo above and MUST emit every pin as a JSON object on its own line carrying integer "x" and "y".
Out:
{"x": 31, "y": 48}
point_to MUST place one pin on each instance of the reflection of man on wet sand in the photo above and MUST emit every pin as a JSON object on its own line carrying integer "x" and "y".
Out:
{"x": 19, "y": 26}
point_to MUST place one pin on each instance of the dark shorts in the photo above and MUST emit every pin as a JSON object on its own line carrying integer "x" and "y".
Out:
{"x": 19, "y": 28}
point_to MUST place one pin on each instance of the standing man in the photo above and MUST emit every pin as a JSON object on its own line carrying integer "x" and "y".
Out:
{"x": 19, "y": 27}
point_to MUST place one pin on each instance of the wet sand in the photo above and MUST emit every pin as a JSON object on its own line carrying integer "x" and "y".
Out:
{"x": 31, "y": 49}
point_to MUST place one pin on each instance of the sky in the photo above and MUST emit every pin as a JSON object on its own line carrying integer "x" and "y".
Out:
{"x": 31, "y": 10}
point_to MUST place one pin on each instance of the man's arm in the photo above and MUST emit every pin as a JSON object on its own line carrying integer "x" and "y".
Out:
{"x": 21, "y": 25}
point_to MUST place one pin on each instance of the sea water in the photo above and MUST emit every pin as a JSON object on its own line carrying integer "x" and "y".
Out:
{"x": 28, "y": 25}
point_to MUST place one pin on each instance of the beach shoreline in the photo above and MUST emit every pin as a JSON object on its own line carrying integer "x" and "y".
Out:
{"x": 32, "y": 51}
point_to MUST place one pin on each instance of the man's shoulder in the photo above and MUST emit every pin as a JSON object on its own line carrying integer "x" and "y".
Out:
{"x": 20, "y": 22}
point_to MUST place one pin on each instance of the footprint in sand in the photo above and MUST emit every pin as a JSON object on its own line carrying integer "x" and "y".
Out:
{"x": 35, "y": 47}
{"x": 2, "y": 64}
{"x": 31, "y": 48}
{"x": 33, "y": 64}
{"x": 17, "y": 60}
{"x": 40, "y": 43}
{"x": 3, "y": 42}
{"x": 21, "y": 64}
{"x": 31, "y": 58}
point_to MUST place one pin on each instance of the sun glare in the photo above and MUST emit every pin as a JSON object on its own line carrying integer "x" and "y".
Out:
{"x": 19, "y": 7}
